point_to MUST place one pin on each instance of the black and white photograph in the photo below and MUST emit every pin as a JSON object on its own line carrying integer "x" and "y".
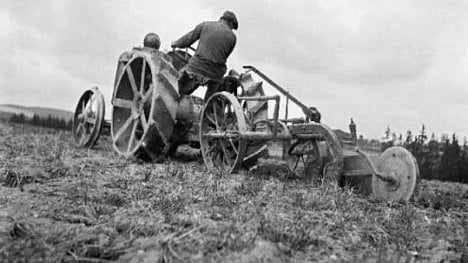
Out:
{"x": 234, "y": 131}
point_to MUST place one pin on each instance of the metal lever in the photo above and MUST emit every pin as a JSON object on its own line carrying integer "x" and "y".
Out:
{"x": 307, "y": 110}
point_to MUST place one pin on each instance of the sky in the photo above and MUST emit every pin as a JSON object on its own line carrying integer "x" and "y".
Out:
{"x": 396, "y": 63}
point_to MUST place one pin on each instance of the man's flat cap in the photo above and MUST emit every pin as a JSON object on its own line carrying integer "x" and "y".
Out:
{"x": 231, "y": 18}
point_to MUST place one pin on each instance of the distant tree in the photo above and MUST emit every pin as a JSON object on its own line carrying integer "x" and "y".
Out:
{"x": 422, "y": 137}
{"x": 35, "y": 120}
{"x": 450, "y": 161}
{"x": 13, "y": 118}
{"x": 48, "y": 122}
{"x": 18, "y": 118}
{"x": 463, "y": 166}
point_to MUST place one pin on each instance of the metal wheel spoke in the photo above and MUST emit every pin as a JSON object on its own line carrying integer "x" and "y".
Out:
{"x": 142, "y": 78}
{"x": 216, "y": 117}
{"x": 80, "y": 128}
{"x": 211, "y": 149}
{"x": 233, "y": 146}
{"x": 147, "y": 95}
{"x": 212, "y": 121}
{"x": 132, "y": 136}
{"x": 83, "y": 138}
{"x": 123, "y": 103}
{"x": 131, "y": 78}
{"x": 143, "y": 120}
{"x": 225, "y": 155}
{"x": 123, "y": 128}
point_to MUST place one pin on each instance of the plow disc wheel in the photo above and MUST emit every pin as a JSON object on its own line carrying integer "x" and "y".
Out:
{"x": 222, "y": 113}
{"x": 89, "y": 118}
{"x": 401, "y": 164}
{"x": 304, "y": 159}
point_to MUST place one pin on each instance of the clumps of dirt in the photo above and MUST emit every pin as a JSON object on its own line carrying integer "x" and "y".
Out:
{"x": 442, "y": 195}
{"x": 16, "y": 179}
{"x": 98, "y": 244}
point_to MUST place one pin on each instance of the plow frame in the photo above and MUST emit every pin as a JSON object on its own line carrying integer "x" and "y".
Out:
{"x": 392, "y": 175}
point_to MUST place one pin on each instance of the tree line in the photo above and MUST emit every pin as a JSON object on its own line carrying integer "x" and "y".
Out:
{"x": 49, "y": 122}
{"x": 441, "y": 158}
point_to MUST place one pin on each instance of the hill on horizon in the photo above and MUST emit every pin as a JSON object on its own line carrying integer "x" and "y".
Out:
{"x": 7, "y": 110}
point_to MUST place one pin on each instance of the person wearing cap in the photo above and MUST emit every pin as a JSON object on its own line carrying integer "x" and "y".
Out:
{"x": 151, "y": 42}
{"x": 216, "y": 41}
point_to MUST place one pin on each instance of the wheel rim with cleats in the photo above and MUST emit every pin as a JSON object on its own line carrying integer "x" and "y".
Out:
{"x": 88, "y": 118}
{"x": 222, "y": 114}
{"x": 401, "y": 164}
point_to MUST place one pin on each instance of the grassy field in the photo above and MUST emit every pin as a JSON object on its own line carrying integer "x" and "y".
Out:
{"x": 59, "y": 203}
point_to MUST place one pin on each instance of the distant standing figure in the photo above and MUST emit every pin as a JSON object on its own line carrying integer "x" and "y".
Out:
{"x": 208, "y": 65}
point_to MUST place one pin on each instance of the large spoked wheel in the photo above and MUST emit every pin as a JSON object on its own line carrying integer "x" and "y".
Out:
{"x": 132, "y": 106}
{"x": 401, "y": 165}
{"x": 320, "y": 157}
{"x": 304, "y": 159}
{"x": 222, "y": 122}
{"x": 89, "y": 118}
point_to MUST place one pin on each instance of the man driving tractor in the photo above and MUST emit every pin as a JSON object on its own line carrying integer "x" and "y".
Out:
{"x": 216, "y": 41}
{"x": 206, "y": 67}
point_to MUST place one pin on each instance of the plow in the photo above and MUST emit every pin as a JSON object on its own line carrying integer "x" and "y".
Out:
{"x": 233, "y": 128}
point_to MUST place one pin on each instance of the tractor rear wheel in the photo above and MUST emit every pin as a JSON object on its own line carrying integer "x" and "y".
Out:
{"x": 144, "y": 106}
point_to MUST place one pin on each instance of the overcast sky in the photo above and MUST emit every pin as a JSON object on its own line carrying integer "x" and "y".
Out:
{"x": 400, "y": 63}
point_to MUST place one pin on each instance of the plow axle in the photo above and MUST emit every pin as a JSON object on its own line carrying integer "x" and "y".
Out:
{"x": 391, "y": 178}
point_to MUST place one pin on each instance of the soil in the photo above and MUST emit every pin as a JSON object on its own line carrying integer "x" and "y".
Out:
{"x": 60, "y": 203}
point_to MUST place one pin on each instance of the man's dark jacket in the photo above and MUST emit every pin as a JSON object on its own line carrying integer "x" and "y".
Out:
{"x": 216, "y": 42}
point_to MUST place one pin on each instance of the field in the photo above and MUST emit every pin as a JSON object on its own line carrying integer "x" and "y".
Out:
{"x": 59, "y": 203}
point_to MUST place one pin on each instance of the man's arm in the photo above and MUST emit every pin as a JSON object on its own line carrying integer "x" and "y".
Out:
{"x": 233, "y": 44}
{"x": 189, "y": 38}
